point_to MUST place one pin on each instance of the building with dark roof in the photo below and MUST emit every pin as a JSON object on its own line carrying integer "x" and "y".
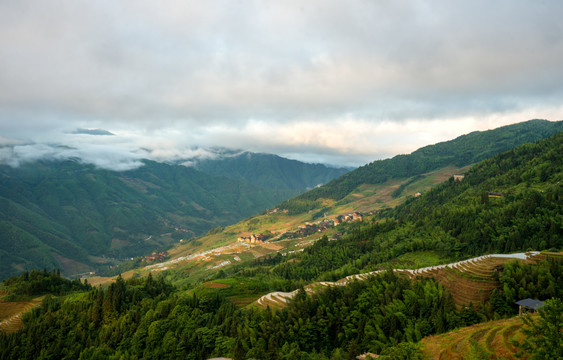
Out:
{"x": 528, "y": 304}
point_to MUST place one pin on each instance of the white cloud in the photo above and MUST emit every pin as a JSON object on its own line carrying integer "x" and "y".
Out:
{"x": 344, "y": 82}
{"x": 100, "y": 156}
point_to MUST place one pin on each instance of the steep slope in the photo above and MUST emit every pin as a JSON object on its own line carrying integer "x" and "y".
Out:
{"x": 464, "y": 150}
{"x": 270, "y": 171}
{"x": 57, "y": 214}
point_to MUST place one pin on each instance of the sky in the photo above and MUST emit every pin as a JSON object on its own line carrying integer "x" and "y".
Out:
{"x": 335, "y": 82}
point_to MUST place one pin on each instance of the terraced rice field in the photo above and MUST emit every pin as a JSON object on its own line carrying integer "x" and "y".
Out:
{"x": 490, "y": 340}
{"x": 469, "y": 280}
{"x": 11, "y": 313}
{"x": 241, "y": 302}
{"x": 215, "y": 285}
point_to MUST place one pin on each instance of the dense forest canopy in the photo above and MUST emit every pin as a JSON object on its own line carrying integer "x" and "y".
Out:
{"x": 149, "y": 319}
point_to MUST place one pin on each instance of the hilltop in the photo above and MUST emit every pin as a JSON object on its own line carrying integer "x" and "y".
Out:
{"x": 79, "y": 218}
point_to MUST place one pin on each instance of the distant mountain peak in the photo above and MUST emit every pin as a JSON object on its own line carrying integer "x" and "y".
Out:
{"x": 266, "y": 170}
{"x": 97, "y": 132}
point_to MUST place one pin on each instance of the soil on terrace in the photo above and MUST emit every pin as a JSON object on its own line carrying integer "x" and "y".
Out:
{"x": 490, "y": 340}
{"x": 11, "y": 313}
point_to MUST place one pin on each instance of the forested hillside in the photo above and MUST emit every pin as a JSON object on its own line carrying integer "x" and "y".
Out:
{"x": 61, "y": 213}
{"x": 270, "y": 171}
{"x": 511, "y": 202}
{"x": 148, "y": 319}
{"x": 465, "y": 150}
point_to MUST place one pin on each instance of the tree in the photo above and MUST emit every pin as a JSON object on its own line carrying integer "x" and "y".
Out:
{"x": 544, "y": 337}
{"x": 402, "y": 351}
{"x": 239, "y": 353}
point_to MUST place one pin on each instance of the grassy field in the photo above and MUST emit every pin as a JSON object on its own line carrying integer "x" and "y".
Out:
{"x": 70, "y": 266}
{"x": 372, "y": 197}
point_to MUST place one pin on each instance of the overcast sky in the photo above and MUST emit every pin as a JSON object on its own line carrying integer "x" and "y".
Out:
{"x": 339, "y": 82}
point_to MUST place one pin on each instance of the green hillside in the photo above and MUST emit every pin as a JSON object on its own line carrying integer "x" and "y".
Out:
{"x": 472, "y": 227}
{"x": 59, "y": 214}
{"x": 511, "y": 202}
{"x": 270, "y": 171}
{"x": 457, "y": 219}
{"x": 462, "y": 151}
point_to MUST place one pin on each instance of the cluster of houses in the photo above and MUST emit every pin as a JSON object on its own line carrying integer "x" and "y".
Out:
{"x": 252, "y": 239}
{"x": 308, "y": 229}
{"x": 155, "y": 257}
{"x": 356, "y": 216}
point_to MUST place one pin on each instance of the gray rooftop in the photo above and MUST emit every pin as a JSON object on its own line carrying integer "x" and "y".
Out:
{"x": 530, "y": 303}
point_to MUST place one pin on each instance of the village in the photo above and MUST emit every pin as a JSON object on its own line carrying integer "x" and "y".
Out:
{"x": 154, "y": 257}
{"x": 305, "y": 230}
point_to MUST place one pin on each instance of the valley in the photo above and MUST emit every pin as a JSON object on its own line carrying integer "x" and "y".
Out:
{"x": 74, "y": 216}
{"x": 215, "y": 249}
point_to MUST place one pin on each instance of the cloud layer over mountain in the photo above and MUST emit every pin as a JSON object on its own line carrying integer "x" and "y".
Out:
{"x": 327, "y": 81}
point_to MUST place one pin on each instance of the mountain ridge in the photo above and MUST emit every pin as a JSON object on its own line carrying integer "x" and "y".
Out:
{"x": 269, "y": 170}
{"x": 461, "y": 151}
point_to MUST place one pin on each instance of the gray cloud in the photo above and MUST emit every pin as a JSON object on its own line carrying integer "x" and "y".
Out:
{"x": 295, "y": 78}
